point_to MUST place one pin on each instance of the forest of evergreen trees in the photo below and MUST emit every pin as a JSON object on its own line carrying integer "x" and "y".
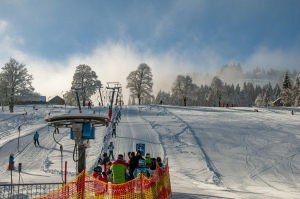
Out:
{"x": 218, "y": 92}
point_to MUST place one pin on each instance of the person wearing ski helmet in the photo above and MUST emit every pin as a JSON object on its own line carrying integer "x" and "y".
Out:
{"x": 97, "y": 171}
{"x": 118, "y": 169}
{"x": 141, "y": 169}
{"x": 104, "y": 161}
{"x": 99, "y": 174}
{"x": 134, "y": 163}
{"x": 111, "y": 150}
{"x": 159, "y": 162}
{"x": 148, "y": 161}
{"x": 152, "y": 167}
{"x": 99, "y": 188}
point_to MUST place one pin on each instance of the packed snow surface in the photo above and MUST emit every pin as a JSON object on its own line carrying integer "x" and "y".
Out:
{"x": 213, "y": 152}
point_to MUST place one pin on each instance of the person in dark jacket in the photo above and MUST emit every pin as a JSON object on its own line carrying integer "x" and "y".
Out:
{"x": 159, "y": 162}
{"x": 152, "y": 167}
{"x": 105, "y": 160}
{"x": 134, "y": 163}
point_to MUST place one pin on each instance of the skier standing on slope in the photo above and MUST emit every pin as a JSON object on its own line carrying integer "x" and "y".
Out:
{"x": 104, "y": 161}
{"x": 11, "y": 162}
{"x": 36, "y": 138}
{"x": 113, "y": 126}
{"x": 118, "y": 169}
{"x": 111, "y": 150}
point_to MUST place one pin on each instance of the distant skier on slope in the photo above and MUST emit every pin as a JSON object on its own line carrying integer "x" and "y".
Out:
{"x": 36, "y": 138}
{"x": 113, "y": 126}
{"x": 11, "y": 162}
{"x": 111, "y": 150}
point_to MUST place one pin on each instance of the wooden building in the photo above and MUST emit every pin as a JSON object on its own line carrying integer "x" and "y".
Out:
{"x": 57, "y": 101}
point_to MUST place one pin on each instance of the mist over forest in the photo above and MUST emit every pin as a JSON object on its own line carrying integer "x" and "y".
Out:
{"x": 230, "y": 86}
{"x": 234, "y": 74}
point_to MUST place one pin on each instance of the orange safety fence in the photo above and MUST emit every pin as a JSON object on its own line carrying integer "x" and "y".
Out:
{"x": 86, "y": 186}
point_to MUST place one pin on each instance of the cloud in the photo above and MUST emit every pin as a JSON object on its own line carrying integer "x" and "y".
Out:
{"x": 3, "y": 25}
{"x": 113, "y": 60}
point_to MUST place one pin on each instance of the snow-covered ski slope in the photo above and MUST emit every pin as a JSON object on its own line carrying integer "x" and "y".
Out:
{"x": 213, "y": 152}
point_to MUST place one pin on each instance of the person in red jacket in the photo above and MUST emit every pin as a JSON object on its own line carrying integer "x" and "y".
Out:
{"x": 100, "y": 188}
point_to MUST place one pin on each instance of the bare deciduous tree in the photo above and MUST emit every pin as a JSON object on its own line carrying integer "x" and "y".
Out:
{"x": 217, "y": 89}
{"x": 16, "y": 82}
{"x": 140, "y": 82}
{"x": 85, "y": 80}
{"x": 182, "y": 87}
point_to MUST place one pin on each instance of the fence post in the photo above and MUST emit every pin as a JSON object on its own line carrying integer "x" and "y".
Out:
{"x": 141, "y": 179}
{"x": 65, "y": 173}
{"x": 82, "y": 184}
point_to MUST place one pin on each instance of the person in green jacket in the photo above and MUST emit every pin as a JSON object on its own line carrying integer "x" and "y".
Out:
{"x": 118, "y": 169}
{"x": 148, "y": 160}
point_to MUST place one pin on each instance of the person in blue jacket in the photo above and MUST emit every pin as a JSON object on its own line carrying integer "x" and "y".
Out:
{"x": 36, "y": 138}
{"x": 11, "y": 162}
{"x": 141, "y": 169}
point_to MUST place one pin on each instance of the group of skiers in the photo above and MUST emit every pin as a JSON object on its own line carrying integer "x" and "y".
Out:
{"x": 120, "y": 170}
{"x": 114, "y": 123}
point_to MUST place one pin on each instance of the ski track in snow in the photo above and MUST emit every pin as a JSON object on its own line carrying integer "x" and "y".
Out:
{"x": 183, "y": 142}
{"x": 212, "y": 152}
{"x": 257, "y": 162}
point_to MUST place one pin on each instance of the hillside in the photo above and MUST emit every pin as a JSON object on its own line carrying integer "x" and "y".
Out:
{"x": 212, "y": 152}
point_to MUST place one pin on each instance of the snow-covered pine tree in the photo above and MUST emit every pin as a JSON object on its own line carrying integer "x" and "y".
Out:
{"x": 277, "y": 91}
{"x": 286, "y": 81}
{"x": 287, "y": 93}
{"x": 158, "y": 97}
{"x": 297, "y": 91}
{"x": 259, "y": 100}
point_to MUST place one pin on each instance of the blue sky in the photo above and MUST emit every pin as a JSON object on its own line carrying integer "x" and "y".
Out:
{"x": 172, "y": 37}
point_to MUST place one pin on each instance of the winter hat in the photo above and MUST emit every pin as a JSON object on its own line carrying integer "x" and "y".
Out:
{"x": 98, "y": 169}
{"x": 120, "y": 157}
